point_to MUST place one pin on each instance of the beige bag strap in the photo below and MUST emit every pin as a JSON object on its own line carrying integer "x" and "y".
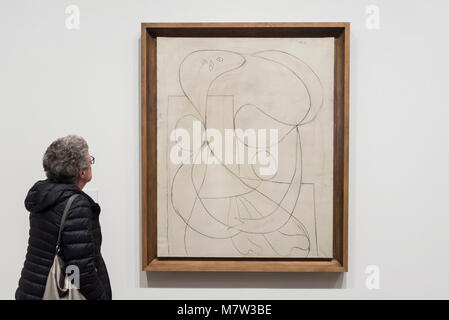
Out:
{"x": 64, "y": 217}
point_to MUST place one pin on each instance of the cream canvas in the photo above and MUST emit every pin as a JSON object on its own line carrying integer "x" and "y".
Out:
{"x": 227, "y": 208}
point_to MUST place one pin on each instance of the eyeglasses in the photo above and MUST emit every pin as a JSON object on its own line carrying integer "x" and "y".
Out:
{"x": 92, "y": 159}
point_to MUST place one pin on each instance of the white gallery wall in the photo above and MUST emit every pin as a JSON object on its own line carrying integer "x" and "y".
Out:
{"x": 55, "y": 81}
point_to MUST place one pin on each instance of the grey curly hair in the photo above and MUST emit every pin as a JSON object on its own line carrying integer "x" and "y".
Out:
{"x": 65, "y": 158}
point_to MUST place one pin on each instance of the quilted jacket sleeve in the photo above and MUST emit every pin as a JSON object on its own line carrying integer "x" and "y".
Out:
{"x": 79, "y": 248}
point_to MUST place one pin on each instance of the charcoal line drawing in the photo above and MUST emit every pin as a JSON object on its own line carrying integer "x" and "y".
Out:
{"x": 241, "y": 212}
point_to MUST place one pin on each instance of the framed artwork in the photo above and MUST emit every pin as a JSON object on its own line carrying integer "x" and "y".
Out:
{"x": 245, "y": 146}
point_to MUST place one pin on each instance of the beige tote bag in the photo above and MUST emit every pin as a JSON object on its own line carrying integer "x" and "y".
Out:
{"x": 58, "y": 286}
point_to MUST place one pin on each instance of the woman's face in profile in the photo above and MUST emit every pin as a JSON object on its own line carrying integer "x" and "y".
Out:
{"x": 87, "y": 176}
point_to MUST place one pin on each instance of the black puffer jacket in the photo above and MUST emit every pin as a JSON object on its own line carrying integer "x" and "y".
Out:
{"x": 80, "y": 241}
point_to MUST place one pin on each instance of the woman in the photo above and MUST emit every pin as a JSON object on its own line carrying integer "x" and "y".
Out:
{"x": 67, "y": 164}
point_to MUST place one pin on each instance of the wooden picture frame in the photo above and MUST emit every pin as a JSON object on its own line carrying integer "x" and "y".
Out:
{"x": 150, "y": 31}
